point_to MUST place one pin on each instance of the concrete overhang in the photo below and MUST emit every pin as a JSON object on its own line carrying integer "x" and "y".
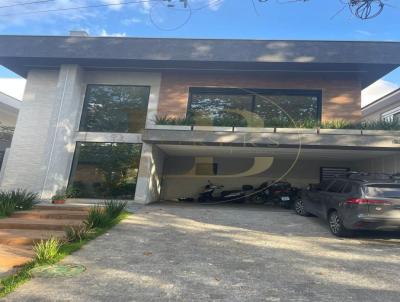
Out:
{"x": 371, "y": 60}
{"x": 272, "y": 140}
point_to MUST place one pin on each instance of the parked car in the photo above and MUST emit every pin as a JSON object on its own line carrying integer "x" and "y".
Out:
{"x": 360, "y": 202}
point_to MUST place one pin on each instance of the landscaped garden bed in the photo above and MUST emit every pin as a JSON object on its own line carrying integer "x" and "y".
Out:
{"x": 48, "y": 252}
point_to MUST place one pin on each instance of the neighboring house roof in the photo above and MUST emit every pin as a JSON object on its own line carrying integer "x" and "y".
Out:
{"x": 385, "y": 103}
{"x": 9, "y": 108}
{"x": 371, "y": 60}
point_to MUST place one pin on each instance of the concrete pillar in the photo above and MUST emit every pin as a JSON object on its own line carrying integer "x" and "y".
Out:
{"x": 148, "y": 187}
{"x": 65, "y": 118}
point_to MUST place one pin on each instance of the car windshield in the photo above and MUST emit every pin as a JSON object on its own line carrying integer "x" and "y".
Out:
{"x": 383, "y": 190}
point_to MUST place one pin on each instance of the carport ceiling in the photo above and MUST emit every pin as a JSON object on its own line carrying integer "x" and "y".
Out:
{"x": 325, "y": 154}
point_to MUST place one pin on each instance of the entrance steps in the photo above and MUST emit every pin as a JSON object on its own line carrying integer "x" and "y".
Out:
{"x": 23, "y": 229}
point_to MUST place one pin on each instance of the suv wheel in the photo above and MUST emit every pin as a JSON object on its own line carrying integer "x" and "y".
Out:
{"x": 336, "y": 225}
{"x": 299, "y": 208}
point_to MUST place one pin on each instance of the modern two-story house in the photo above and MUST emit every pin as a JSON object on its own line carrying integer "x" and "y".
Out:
{"x": 150, "y": 119}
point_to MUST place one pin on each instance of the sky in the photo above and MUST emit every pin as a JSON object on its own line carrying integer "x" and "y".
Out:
{"x": 273, "y": 19}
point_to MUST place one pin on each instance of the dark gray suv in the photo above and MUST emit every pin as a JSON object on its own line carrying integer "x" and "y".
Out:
{"x": 360, "y": 202}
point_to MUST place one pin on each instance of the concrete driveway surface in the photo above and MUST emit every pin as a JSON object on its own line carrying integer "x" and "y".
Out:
{"x": 225, "y": 253}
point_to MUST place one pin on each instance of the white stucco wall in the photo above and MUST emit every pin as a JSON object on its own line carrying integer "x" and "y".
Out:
{"x": 385, "y": 164}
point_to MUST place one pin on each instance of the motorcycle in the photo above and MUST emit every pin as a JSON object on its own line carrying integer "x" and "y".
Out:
{"x": 214, "y": 193}
{"x": 282, "y": 193}
{"x": 258, "y": 195}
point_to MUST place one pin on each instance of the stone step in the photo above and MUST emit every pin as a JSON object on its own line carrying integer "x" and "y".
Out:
{"x": 37, "y": 224}
{"x": 26, "y": 237}
{"x": 12, "y": 256}
{"x": 50, "y": 214}
{"x": 61, "y": 207}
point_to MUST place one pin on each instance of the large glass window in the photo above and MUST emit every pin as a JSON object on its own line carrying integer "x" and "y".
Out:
{"x": 110, "y": 108}
{"x": 217, "y": 109}
{"x": 287, "y": 107}
{"x": 105, "y": 170}
{"x": 239, "y": 107}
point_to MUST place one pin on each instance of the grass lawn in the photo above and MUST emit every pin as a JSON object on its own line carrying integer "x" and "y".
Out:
{"x": 8, "y": 284}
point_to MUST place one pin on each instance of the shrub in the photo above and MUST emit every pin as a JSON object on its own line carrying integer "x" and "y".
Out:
{"x": 24, "y": 200}
{"x": 78, "y": 233}
{"x": 98, "y": 217}
{"x": 11, "y": 201}
{"x": 169, "y": 120}
{"x": 114, "y": 208}
{"x": 7, "y": 206}
{"x": 46, "y": 251}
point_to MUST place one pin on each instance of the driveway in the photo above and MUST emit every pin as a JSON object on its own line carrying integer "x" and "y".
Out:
{"x": 206, "y": 253}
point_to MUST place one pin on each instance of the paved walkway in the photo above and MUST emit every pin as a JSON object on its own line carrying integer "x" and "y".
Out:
{"x": 198, "y": 253}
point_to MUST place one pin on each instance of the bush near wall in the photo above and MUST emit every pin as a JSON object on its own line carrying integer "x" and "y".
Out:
{"x": 16, "y": 200}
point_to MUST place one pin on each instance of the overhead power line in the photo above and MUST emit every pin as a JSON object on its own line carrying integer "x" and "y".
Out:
{"x": 26, "y": 3}
{"x": 78, "y": 7}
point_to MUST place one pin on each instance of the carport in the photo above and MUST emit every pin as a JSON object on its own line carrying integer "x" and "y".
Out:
{"x": 187, "y": 167}
{"x": 183, "y": 158}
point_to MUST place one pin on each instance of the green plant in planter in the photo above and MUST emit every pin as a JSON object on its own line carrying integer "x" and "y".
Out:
{"x": 59, "y": 198}
{"x": 178, "y": 121}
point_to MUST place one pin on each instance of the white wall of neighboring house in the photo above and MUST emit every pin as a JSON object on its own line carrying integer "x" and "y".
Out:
{"x": 384, "y": 108}
{"x": 9, "y": 108}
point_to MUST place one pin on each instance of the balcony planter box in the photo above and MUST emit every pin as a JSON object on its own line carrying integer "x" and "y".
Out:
{"x": 213, "y": 128}
{"x": 170, "y": 127}
{"x": 254, "y": 130}
{"x": 381, "y": 132}
{"x": 296, "y": 130}
{"x": 340, "y": 131}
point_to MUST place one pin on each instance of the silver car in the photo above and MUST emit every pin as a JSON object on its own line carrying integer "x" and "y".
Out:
{"x": 360, "y": 202}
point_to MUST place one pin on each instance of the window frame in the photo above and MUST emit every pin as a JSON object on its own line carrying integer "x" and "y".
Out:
{"x": 86, "y": 100}
{"x": 75, "y": 159}
{"x": 237, "y": 91}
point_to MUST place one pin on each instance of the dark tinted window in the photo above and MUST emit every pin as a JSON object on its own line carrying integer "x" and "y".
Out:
{"x": 115, "y": 108}
{"x": 337, "y": 186}
{"x": 237, "y": 107}
{"x": 105, "y": 170}
{"x": 285, "y": 107}
{"x": 384, "y": 190}
{"x": 219, "y": 109}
